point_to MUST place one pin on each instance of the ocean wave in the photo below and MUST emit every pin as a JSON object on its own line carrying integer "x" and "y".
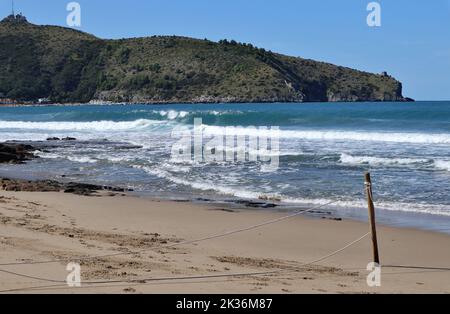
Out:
{"x": 384, "y": 161}
{"x": 46, "y": 155}
{"x": 259, "y": 152}
{"x": 183, "y": 116}
{"x": 82, "y": 159}
{"x": 172, "y": 114}
{"x": 117, "y": 159}
{"x": 86, "y": 159}
{"x": 417, "y": 208}
{"x": 211, "y": 130}
{"x": 80, "y": 126}
{"x": 331, "y": 135}
{"x": 203, "y": 186}
{"x": 79, "y": 159}
{"x": 380, "y": 161}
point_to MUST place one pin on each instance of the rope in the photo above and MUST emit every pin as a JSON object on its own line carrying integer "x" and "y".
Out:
{"x": 211, "y": 237}
{"x": 418, "y": 267}
{"x": 153, "y": 279}
{"x": 369, "y": 194}
{"x": 29, "y": 276}
{"x": 182, "y": 243}
{"x": 165, "y": 246}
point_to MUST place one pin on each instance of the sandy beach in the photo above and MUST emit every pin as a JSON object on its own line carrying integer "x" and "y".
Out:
{"x": 137, "y": 234}
{"x": 241, "y": 154}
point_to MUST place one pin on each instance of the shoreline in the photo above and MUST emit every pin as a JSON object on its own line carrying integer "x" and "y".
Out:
{"x": 22, "y": 182}
{"x": 168, "y": 103}
{"x": 40, "y": 226}
{"x": 390, "y": 219}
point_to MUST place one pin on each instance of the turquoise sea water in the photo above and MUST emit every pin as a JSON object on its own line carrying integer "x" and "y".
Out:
{"x": 324, "y": 150}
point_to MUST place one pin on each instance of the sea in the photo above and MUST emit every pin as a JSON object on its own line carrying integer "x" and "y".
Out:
{"x": 322, "y": 152}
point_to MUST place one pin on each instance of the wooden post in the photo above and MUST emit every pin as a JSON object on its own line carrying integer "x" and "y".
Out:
{"x": 373, "y": 228}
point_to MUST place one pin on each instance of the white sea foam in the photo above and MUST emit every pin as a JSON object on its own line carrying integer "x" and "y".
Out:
{"x": 331, "y": 135}
{"x": 442, "y": 164}
{"x": 258, "y": 152}
{"x": 172, "y": 114}
{"x": 176, "y": 167}
{"x": 370, "y": 160}
{"x": 82, "y": 159}
{"x": 46, "y": 155}
{"x": 382, "y": 161}
{"x": 204, "y": 186}
{"x": 335, "y": 135}
{"x": 80, "y": 126}
{"x": 220, "y": 113}
{"x": 418, "y": 208}
{"x": 22, "y": 136}
{"x": 117, "y": 159}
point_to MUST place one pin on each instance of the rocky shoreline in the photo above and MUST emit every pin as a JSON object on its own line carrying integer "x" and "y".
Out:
{"x": 18, "y": 153}
{"x": 19, "y": 185}
{"x": 197, "y": 101}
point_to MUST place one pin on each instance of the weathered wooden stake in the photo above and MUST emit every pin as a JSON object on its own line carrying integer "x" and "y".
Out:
{"x": 373, "y": 228}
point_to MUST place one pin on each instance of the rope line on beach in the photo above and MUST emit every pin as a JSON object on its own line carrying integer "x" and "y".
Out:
{"x": 143, "y": 281}
{"x": 181, "y": 281}
{"x": 210, "y": 237}
{"x": 419, "y": 267}
{"x": 183, "y": 243}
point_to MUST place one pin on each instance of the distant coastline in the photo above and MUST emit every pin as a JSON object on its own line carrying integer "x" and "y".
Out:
{"x": 109, "y": 103}
{"x": 169, "y": 70}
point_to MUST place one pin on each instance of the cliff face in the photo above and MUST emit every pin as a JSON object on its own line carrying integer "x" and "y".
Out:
{"x": 65, "y": 65}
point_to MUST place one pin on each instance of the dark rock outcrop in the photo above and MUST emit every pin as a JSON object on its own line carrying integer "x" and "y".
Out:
{"x": 15, "y": 153}
{"x": 54, "y": 186}
{"x": 52, "y": 139}
{"x": 253, "y": 204}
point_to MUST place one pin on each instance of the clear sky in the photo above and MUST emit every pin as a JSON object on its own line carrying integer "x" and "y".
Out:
{"x": 412, "y": 44}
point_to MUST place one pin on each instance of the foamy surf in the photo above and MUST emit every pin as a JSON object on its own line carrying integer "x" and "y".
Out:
{"x": 416, "y": 208}
{"x": 83, "y": 160}
{"x": 78, "y": 159}
{"x": 427, "y": 163}
{"x": 381, "y": 161}
{"x": 442, "y": 164}
{"x": 354, "y": 203}
{"x": 333, "y": 135}
{"x": 208, "y": 130}
{"x": 80, "y": 126}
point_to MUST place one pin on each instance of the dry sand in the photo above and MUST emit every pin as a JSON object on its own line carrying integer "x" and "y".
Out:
{"x": 46, "y": 226}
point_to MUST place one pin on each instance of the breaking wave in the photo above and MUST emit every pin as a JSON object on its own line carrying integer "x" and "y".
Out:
{"x": 80, "y": 126}
{"x": 329, "y": 135}
{"x": 381, "y": 161}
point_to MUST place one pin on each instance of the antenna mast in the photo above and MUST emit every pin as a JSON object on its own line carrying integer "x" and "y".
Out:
{"x": 12, "y": 5}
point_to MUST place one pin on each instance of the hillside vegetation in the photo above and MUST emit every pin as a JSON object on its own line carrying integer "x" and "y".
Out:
{"x": 65, "y": 65}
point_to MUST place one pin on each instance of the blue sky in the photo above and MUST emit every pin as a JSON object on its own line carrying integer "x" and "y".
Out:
{"x": 412, "y": 44}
